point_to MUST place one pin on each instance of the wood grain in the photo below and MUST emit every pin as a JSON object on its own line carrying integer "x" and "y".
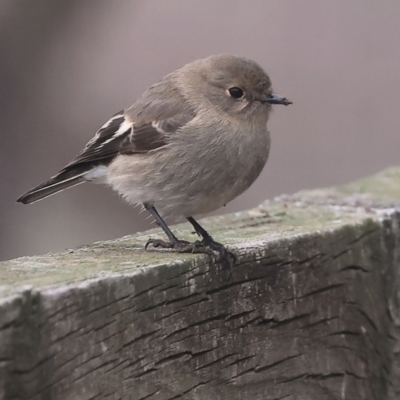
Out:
{"x": 311, "y": 310}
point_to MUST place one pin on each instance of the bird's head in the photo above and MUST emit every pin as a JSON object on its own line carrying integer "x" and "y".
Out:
{"x": 232, "y": 84}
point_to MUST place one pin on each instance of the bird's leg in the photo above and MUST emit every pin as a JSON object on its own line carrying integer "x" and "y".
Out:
{"x": 207, "y": 245}
{"x": 210, "y": 243}
{"x": 174, "y": 242}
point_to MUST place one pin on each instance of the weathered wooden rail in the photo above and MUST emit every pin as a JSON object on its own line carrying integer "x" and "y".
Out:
{"x": 311, "y": 311}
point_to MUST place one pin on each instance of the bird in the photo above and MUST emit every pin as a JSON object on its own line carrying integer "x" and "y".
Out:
{"x": 190, "y": 144}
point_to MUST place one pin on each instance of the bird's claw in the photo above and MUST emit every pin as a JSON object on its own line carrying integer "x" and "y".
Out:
{"x": 206, "y": 246}
{"x": 221, "y": 254}
{"x": 181, "y": 246}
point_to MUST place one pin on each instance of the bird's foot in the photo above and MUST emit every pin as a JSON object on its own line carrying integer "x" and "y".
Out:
{"x": 206, "y": 246}
{"x": 181, "y": 246}
{"x": 219, "y": 252}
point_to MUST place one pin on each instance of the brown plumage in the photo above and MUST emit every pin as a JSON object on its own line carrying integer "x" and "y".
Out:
{"x": 190, "y": 144}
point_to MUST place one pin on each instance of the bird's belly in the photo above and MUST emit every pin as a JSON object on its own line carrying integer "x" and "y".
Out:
{"x": 217, "y": 185}
{"x": 191, "y": 184}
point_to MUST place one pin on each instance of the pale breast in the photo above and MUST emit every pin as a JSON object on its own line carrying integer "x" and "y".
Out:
{"x": 203, "y": 168}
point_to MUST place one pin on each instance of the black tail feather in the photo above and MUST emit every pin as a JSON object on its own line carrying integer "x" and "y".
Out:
{"x": 63, "y": 180}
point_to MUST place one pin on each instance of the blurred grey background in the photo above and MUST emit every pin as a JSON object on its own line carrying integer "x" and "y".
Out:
{"x": 67, "y": 66}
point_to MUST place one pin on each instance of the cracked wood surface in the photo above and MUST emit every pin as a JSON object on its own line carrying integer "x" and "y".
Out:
{"x": 312, "y": 310}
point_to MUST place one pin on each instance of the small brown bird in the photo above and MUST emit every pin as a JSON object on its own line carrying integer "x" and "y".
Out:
{"x": 189, "y": 145}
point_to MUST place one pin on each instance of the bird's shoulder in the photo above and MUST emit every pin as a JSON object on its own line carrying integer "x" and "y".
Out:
{"x": 159, "y": 113}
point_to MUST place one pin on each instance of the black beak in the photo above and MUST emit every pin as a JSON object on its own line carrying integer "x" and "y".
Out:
{"x": 274, "y": 98}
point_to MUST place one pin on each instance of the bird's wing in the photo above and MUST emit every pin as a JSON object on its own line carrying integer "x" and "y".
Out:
{"x": 145, "y": 126}
{"x": 137, "y": 130}
{"x": 152, "y": 135}
{"x": 106, "y": 143}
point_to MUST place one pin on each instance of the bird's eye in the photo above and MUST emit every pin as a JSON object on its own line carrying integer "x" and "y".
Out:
{"x": 236, "y": 92}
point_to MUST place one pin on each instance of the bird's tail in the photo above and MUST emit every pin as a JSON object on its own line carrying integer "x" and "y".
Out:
{"x": 63, "y": 180}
